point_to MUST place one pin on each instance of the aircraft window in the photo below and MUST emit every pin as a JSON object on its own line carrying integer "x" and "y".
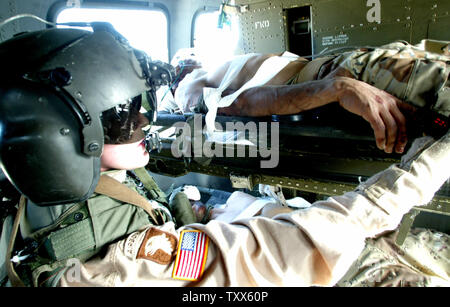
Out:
{"x": 212, "y": 42}
{"x": 145, "y": 29}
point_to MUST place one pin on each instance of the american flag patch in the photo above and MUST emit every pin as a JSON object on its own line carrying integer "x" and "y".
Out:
{"x": 191, "y": 255}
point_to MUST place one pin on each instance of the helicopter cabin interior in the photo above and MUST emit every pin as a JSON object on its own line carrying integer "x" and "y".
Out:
{"x": 321, "y": 152}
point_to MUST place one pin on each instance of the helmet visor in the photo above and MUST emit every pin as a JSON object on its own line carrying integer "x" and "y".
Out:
{"x": 123, "y": 124}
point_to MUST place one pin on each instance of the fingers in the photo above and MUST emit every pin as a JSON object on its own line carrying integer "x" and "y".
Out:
{"x": 384, "y": 112}
{"x": 389, "y": 125}
{"x": 402, "y": 138}
{"x": 379, "y": 130}
{"x": 390, "y": 131}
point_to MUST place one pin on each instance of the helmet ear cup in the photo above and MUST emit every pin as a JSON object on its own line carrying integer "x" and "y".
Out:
{"x": 41, "y": 146}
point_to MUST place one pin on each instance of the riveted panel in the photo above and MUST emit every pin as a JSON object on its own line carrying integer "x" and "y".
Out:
{"x": 358, "y": 22}
{"x": 434, "y": 17}
{"x": 436, "y": 26}
{"x": 262, "y": 28}
{"x": 266, "y": 25}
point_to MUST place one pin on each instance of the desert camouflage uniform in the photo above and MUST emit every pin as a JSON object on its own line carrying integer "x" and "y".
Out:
{"x": 422, "y": 260}
{"x": 413, "y": 75}
{"x": 408, "y": 72}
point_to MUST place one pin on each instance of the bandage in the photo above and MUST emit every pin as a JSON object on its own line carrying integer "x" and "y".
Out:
{"x": 213, "y": 96}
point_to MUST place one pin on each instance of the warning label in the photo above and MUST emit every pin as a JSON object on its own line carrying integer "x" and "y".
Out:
{"x": 334, "y": 40}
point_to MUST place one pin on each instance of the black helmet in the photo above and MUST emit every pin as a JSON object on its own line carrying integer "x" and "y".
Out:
{"x": 55, "y": 86}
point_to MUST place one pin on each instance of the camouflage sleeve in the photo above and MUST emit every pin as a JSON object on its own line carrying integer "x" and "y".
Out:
{"x": 405, "y": 71}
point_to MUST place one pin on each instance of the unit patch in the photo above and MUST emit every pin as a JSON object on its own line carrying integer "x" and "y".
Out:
{"x": 158, "y": 246}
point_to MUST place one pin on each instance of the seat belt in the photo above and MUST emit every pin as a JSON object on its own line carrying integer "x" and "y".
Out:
{"x": 111, "y": 187}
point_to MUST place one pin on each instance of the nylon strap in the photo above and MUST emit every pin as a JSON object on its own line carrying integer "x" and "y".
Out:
{"x": 107, "y": 186}
{"x": 69, "y": 241}
{"x": 150, "y": 185}
{"x": 12, "y": 275}
{"x": 144, "y": 103}
{"x": 310, "y": 71}
{"x": 111, "y": 187}
{"x": 254, "y": 208}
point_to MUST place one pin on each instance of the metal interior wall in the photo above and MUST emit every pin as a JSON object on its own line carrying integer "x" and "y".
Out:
{"x": 337, "y": 24}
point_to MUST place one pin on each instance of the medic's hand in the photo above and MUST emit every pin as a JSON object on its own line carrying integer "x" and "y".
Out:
{"x": 384, "y": 112}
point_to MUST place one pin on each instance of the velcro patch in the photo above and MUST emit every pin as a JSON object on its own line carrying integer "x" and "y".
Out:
{"x": 191, "y": 255}
{"x": 158, "y": 246}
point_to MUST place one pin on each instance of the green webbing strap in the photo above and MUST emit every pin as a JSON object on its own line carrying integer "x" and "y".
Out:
{"x": 110, "y": 187}
{"x": 144, "y": 102}
{"x": 69, "y": 241}
{"x": 150, "y": 184}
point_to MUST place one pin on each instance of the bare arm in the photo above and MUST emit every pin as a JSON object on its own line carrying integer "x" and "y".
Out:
{"x": 380, "y": 109}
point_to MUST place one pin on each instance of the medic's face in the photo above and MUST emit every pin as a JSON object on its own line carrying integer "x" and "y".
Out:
{"x": 124, "y": 156}
{"x": 124, "y": 146}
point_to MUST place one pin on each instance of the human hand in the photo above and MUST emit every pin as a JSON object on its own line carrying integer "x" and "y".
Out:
{"x": 384, "y": 112}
